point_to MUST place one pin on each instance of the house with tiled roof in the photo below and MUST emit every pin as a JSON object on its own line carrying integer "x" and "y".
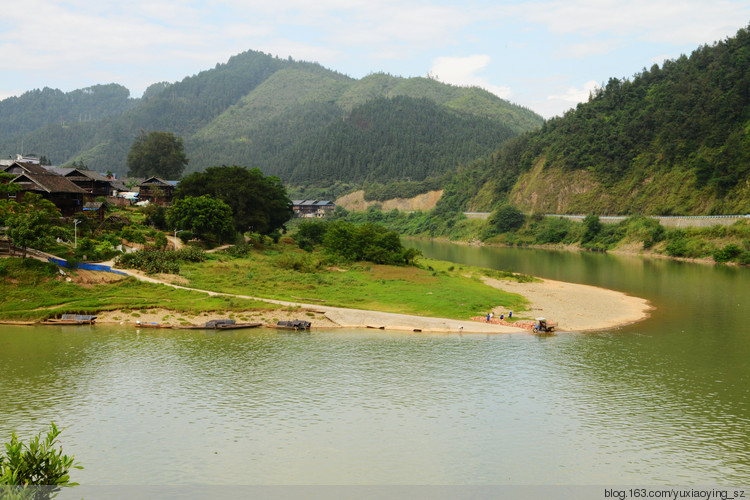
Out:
{"x": 33, "y": 178}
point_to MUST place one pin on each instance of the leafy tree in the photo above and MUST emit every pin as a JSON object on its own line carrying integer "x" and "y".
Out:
{"x": 206, "y": 217}
{"x": 28, "y": 222}
{"x": 36, "y": 463}
{"x": 507, "y": 218}
{"x": 259, "y": 203}
{"x": 157, "y": 153}
{"x": 592, "y": 227}
{"x": 369, "y": 242}
{"x": 28, "y": 229}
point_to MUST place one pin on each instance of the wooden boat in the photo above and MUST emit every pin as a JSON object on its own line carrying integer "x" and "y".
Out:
{"x": 220, "y": 324}
{"x": 71, "y": 319}
{"x": 151, "y": 325}
{"x": 295, "y": 324}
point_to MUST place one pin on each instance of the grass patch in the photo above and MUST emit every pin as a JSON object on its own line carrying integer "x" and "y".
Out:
{"x": 430, "y": 289}
{"x": 34, "y": 290}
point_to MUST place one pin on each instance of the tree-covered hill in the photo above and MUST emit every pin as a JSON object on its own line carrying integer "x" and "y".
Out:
{"x": 673, "y": 139}
{"x": 293, "y": 119}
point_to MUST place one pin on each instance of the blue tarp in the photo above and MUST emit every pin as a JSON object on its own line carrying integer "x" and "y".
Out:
{"x": 84, "y": 266}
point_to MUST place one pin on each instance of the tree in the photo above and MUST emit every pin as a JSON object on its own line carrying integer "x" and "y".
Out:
{"x": 36, "y": 463}
{"x": 28, "y": 222}
{"x": 507, "y": 218}
{"x": 592, "y": 227}
{"x": 259, "y": 203}
{"x": 208, "y": 218}
{"x": 157, "y": 153}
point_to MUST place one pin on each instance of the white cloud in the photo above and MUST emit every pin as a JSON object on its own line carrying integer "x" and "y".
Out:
{"x": 669, "y": 21}
{"x": 463, "y": 71}
{"x": 574, "y": 95}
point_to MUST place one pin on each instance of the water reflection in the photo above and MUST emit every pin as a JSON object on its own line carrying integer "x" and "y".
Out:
{"x": 664, "y": 401}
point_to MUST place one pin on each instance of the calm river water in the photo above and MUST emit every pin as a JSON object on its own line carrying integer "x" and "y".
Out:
{"x": 663, "y": 401}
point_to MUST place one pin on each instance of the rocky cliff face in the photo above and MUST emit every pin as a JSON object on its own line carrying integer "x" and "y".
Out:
{"x": 356, "y": 201}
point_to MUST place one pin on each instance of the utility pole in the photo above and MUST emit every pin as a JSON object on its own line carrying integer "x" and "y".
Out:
{"x": 75, "y": 232}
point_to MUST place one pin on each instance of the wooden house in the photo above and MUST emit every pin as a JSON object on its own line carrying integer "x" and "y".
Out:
{"x": 94, "y": 183}
{"x": 313, "y": 208}
{"x": 156, "y": 190}
{"x": 33, "y": 178}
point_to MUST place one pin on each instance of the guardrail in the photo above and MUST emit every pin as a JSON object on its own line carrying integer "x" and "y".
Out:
{"x": 664, "y": 220}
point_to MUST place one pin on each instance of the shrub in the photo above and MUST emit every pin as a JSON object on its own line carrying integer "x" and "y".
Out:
{"x": 507, "y": 218}
{"x": 157, "y": 261}
{"x": 304, "y": 263}
{"x": 727, "y": 253}
{"x": 36, "y": 463}
{"x": 160, "y": 240}
{"x": 185, "y": 236}
{"x": 132, "y": 234}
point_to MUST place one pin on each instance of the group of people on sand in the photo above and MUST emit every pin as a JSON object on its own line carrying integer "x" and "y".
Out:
{"x": 491, "y": 315}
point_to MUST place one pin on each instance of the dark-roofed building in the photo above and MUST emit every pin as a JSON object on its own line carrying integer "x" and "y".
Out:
{"x": 33, "y": 178}
{"x": 90, "y": 181}
{"x": 313, "y": 208}
{"x": 156, "y": 190}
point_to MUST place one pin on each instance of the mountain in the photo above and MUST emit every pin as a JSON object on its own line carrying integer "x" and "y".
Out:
{"x": 298, "y": 120}
{"x": 673, "y": 140}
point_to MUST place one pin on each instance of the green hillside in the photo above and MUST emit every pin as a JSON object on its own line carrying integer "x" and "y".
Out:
{"x": 293, "y": 119}
{"x": 673, "y": 140}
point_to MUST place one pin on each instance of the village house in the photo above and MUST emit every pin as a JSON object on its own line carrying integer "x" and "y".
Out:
{"x": 92, "y": 182}
{"x": 157, "y": 191}
{"x": 33, "y": 178}
{"x": 313, "y": 208}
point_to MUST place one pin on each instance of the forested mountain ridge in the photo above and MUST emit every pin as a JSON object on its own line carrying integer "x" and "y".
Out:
{"x": 260, "y": 111}
{"x": 673, "y": 140}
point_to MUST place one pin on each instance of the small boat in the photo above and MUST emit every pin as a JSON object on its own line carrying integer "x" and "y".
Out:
{"x": 295, "y": 324}
{"x": 151, "y": 325}
{"x": 71, "y": 319}
{"x": 220, "y": 324}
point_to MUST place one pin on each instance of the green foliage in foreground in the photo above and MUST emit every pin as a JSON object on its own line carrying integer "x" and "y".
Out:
{"x": 35, "y": 463}
{"x": 155, "y": 261}
{"x": 34, "y": 290}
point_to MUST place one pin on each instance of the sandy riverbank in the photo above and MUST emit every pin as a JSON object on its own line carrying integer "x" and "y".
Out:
{"x": 576, "y": 307}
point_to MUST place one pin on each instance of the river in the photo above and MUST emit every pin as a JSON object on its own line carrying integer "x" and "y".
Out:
{"x": 664, "y": 401}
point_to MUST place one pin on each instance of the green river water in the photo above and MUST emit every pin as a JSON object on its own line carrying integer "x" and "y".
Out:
{"x": 663, "y": 401}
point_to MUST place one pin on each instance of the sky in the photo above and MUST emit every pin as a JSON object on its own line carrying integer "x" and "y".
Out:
{"x": 546, "y": 55}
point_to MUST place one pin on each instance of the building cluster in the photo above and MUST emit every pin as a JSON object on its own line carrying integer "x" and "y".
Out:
{"x": 74, "y": 190}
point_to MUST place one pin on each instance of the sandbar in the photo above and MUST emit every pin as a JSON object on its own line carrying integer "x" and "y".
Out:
{"x": 576, "y": 307}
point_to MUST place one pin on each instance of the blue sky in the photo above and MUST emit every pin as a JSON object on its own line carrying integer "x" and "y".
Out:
{"x": 545, "y": 55}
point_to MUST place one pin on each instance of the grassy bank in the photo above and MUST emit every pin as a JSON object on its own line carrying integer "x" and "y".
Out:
{"x": 33, "y": 290}
{"x": 434, "y": 288}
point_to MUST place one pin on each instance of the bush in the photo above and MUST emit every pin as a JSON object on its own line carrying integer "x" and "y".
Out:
{"x": 160, "y": 240}
{"x": 507, "y": 218}
{"x": 185, "y": 236}
{"x": 130, "y": 233}
{"x": 727, "y": 253}
{"x": 157, "y": 261}
{"x": 36, "y": 463}
{"x": 304, "y": 263}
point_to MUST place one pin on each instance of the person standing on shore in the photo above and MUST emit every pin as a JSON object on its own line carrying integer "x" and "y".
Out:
{"x": 488, "y": 317}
